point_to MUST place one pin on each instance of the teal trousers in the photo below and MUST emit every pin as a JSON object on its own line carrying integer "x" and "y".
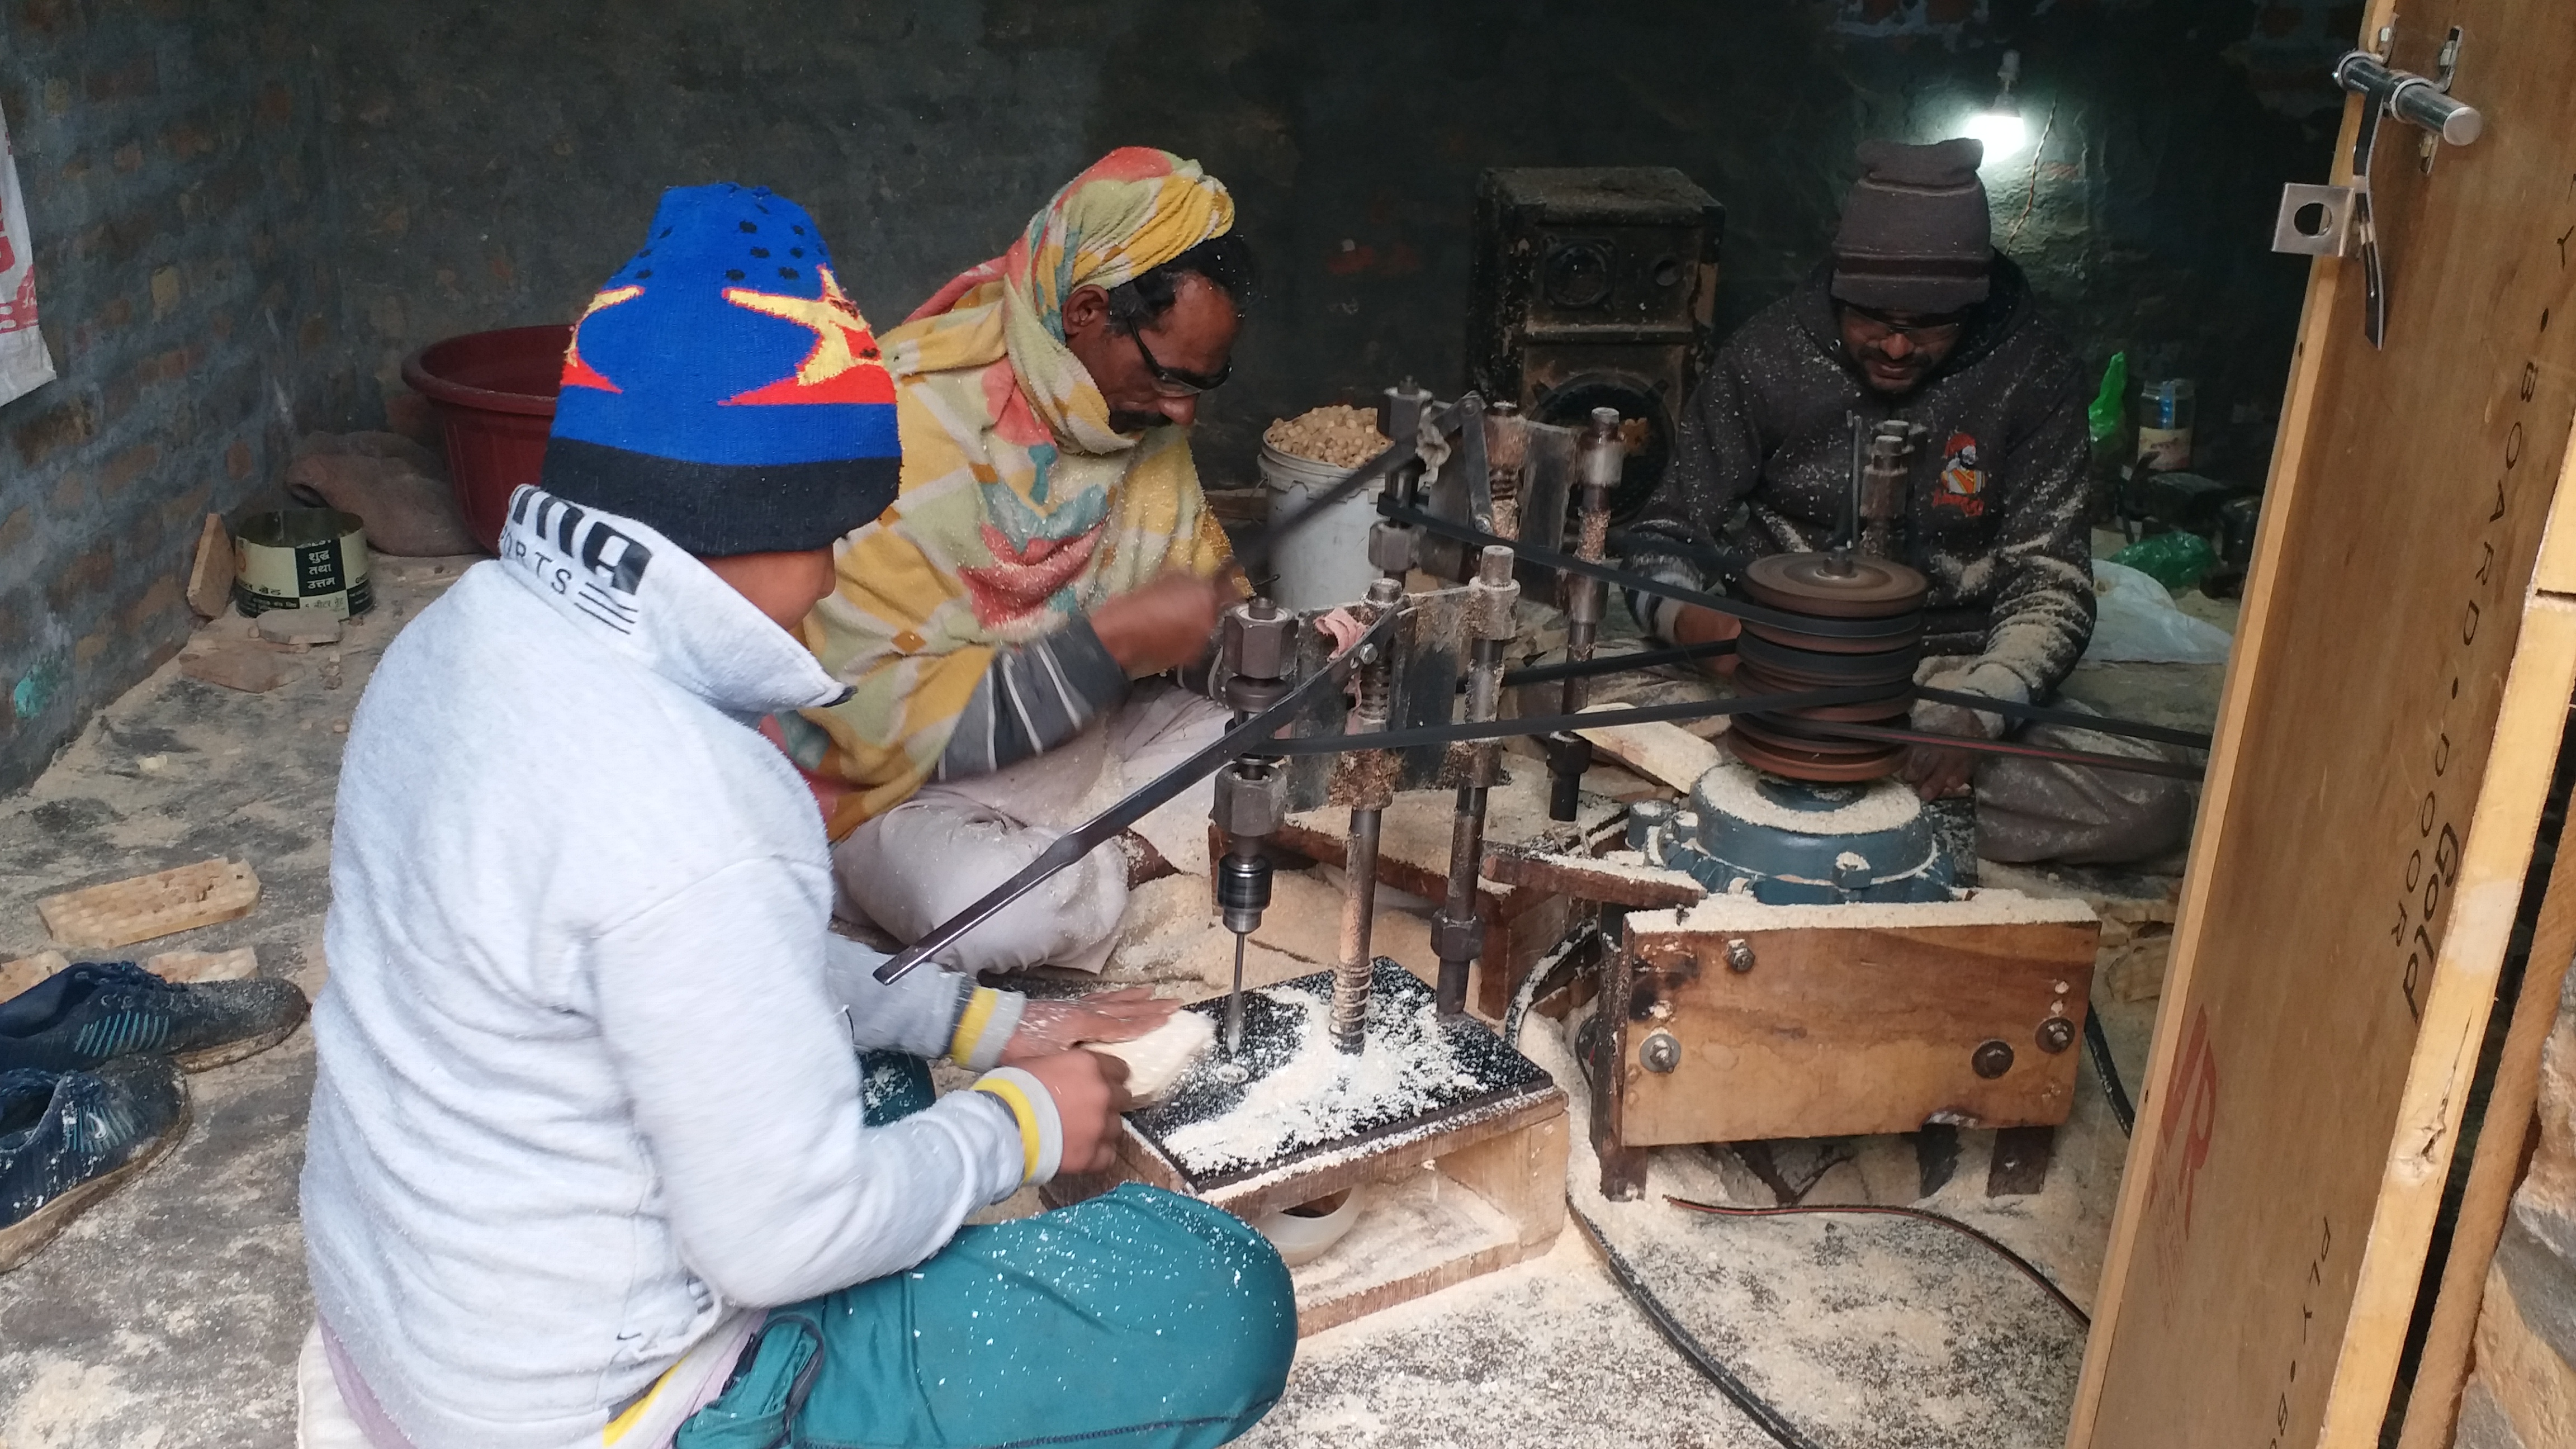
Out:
{"x": 1137, "y": 1320}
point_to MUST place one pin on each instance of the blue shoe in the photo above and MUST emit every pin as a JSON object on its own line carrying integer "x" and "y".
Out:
{"x": 97, "y": 1011}
{"x": 68, "y": 1139}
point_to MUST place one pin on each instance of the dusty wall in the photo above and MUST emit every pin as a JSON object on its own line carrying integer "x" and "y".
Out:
{"x": 497, "y": 161}
{"x": 335, "y": 185}
{"x": 171, "y": 166}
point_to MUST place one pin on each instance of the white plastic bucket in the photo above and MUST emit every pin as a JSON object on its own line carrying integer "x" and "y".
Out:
{"x": 1326, "y": 562}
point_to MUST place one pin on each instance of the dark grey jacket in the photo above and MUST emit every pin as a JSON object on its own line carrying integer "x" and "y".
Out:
{"x": 1996, "y": 515}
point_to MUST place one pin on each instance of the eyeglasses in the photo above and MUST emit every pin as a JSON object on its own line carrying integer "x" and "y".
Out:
{"x": 1882, "y": 326}
{"x": 1171, "y": 381}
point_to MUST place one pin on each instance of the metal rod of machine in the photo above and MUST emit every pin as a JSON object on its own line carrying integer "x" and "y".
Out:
{"x": 1080, "y": 841}
{"x": 1457, "y": 932}
{"x": 1598, "y": 460}
{"x": 1351, "y": 968}
{"x": 1366, "y": 778}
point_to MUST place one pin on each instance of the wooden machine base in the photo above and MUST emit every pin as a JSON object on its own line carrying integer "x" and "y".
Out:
{"x": 1488, "y": 1194}
{"x": 1733, "y": 1021}
{"x": 1457, "y": 1192}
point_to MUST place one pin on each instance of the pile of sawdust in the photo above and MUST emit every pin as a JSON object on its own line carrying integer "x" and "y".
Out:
{"x": 1345, "y": 437}
{"x": 1320, "y": 1093}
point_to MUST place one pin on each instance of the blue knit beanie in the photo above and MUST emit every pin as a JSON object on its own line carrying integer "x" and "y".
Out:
{"x": 722, "y": 387}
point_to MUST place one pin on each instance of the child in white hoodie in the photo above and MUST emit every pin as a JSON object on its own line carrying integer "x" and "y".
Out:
{"x": 588, "y": 1161}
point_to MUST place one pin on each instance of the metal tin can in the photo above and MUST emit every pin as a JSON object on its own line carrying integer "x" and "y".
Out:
{"x": 302, "y": 558}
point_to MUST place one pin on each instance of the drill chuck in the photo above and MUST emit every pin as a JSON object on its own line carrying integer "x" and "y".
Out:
{"x": 1243, "y": 891}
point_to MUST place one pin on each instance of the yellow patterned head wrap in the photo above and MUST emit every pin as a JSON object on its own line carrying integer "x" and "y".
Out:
{"x": 1020, "y": 506}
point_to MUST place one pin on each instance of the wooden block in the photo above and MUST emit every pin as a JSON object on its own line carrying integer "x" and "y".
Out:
{"x": 1852, "y": 1019}
{"x": 26, "y": 971}
{"x": 210, "y": 578}
{"x": 1659, "y": 750}
{"x": 235, "y": 965}
{"x": 147, "y": 906}
{"x": 1485, "y": 1191}
{"x": 242, "y": 666}
{"x": 1622, "y": 786}
{"x": 1619, "y": 882}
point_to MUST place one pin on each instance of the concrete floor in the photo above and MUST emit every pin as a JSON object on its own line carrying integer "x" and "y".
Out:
{"x": 169, "y": 1316}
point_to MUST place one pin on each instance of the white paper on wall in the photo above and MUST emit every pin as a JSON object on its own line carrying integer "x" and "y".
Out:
{"x": 24, "y": 364}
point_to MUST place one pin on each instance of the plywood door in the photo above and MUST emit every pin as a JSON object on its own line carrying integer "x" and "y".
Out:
{"x": 2387, "y": 734}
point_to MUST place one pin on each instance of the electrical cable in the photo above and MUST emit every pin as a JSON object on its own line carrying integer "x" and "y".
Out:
{"x": 2108, "y": 1070}
{"x": 1760, "y": 1410}
{"x": 2028, "y": 1269}
{"x": 1755, "y": 1407}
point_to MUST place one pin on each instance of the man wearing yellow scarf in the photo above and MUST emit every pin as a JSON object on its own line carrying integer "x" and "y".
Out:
{"x": 1048, "y": 549}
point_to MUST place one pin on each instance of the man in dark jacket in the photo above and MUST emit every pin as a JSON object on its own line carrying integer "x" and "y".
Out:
{"x": 1917, "y": 317}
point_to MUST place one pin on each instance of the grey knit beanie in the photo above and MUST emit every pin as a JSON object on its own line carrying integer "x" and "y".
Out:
{"x": 1915, "y": 235}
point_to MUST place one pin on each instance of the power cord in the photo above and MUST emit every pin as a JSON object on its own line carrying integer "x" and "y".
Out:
{"x": 2109, "y": 1071}
{"x": 1764, "y": 1416}
{"x": 1755, "y": 1407}
{"x": 2028, "y": 1269}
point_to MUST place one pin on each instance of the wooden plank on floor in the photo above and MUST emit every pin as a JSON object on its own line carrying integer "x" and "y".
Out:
{"x": 179, "y": 899}
{"x": 2372, "y": 795}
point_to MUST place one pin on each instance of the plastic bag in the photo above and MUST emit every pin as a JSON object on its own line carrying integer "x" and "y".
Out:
{"x": 2137, "y": 622}
{"x": 2175, "y": 560}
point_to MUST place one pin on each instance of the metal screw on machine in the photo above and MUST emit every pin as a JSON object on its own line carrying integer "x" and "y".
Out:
{"x": 1661, "y": 1051}
{"x": 1992, "y": 1059}
{"x": 2056, "y": 1034}
{"x": 1739, "y": 955}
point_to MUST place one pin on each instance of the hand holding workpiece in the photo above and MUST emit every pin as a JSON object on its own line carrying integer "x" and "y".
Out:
{"x": 1090, "y": 1090}
{"x": 1047, "y": 1027}
{"x": 1696, "y": 624}
{"x": 1164, "y": 625}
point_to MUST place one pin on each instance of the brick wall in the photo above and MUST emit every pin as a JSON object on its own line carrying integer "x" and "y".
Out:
{"x": 172, "y": 170}
{"x": 2522, "y": 1393}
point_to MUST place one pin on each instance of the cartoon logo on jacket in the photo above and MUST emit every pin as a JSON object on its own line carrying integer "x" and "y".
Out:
{"x": 1963, "y": 487}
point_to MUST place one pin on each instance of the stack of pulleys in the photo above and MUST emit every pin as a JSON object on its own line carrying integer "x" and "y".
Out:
{"x": 1834, "y": 623}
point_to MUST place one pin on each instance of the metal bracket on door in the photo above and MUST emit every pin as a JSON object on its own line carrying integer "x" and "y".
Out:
{"x": 2335, "y": 221}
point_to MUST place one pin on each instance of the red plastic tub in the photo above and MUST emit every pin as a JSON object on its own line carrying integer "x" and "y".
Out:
{"x": 495, "y": 397}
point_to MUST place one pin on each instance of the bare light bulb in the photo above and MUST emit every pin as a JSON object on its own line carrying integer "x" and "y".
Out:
{"x": 2000, "y": 126}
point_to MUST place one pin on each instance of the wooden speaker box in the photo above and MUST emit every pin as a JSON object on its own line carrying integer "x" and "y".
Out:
{"x": 1593, "y": 287}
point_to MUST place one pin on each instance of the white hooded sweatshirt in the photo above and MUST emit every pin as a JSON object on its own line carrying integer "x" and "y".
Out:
{"x": 586, "y": 1088}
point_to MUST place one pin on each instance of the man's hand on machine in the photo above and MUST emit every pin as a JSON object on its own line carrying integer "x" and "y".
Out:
{"x": 1164, "y": 625}
{"x": 1693, "y": 624}
{"x": 1090, "y": 1090}
{"x": 1049, "y": 1027}
{"x": 1935, "y": 772}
